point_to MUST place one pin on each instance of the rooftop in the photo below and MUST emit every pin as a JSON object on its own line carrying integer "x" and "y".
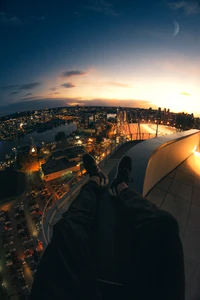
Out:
{"x": 52, "y": 166}
{"x": 178, "y": 192}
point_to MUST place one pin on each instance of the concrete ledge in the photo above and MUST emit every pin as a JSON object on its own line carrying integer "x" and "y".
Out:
{"x": 155, "y": 158}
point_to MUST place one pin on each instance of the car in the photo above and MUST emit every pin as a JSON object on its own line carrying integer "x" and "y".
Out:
{"x": 7, "y": 228}
{"x": 21, "y": 230}
{"x": 28, "y": 255}
{"x": 7, "y": 223}
{"x": 8, "y": 255}
{"x": 16, "y": 215}
{"x": 33, "y": 212}
{"x": 24, "y": 287}
{"x": 2, "y": 219}
{"x": 9, "y": 263}
{"x": 25, "y": 242}
{"x": 7, "y": 240}
{"x": 19, "y": 269}
{"x": 13, "y": 250}
{"x": 28, "y": 251}
{"x": 30, "y": 240}
{"x": 23, "y": 262}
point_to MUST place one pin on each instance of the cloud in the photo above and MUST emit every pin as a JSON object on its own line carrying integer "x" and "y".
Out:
{"x": 14, "y": 93}
{"x": 28, "y": 94}
{"x": 191, "y": 7}
{"x": 111, "y": 102}
{"x": 56, "y": 93}
{"x": 52, "y": 89}
{"x": 73, "y": 73}
{"x": 8, "y": 87}
{"x": 118, "y": 84}
{"x": 29, "y": 86}
{"x": 107, "y": 84}
{"x": 185, "y": 94}
{"x": 26, "y": 86}
{"x": 102, "y": 6}
{"x": 68, "y": 85}
{"x": 9, "y": 19}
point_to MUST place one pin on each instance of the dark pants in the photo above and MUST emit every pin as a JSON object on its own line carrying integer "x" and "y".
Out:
{"x": 154, "y": 269}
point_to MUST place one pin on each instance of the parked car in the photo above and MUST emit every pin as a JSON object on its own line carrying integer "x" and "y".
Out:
{"x": 28, "y": 255}
{"x": 7, "y": 223}
{"x": 7, "y": 228}
{"x": 9, "y": 263}
{"x": 24, "y": 287}
{"x": 13, "y": 250}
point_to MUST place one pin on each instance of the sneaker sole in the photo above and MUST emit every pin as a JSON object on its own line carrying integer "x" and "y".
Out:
{"x": 104, "y": 182}
{"x": 111, "y": 190}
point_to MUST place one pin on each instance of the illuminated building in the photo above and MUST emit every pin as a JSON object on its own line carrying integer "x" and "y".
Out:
{"x": 54, "y": 169}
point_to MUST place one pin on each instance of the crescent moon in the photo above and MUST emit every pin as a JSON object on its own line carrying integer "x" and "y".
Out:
{"x": 176, "y": 28}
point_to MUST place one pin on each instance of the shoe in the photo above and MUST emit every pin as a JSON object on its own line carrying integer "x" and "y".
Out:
{"x": 123, "y": 174}
{"x": 93, "y": 170}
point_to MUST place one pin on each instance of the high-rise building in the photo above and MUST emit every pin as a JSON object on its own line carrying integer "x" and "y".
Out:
{"x": 105, "y": 118}
{"x": 124, "y": 116}
{"x": 86, "y": 121}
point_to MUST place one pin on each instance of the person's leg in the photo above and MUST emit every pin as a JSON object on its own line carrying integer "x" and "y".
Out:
{"x": 67, "y": 268}
{"x": 155, "y": 266}
{"x": 156, "y": 256}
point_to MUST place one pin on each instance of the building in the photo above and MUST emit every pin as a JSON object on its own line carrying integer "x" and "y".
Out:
{"x": 54, "y": 169}
{"x": 86, "y": 121}
{"x": 74, "y": 152}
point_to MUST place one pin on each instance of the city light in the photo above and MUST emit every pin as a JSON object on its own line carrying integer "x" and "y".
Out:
{"x": 196, "y": 153}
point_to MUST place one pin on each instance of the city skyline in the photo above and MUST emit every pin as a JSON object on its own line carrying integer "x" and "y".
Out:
{"x": 108, "y": 53}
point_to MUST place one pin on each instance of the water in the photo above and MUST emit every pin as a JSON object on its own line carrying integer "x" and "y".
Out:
{"x": 46, "y": 136}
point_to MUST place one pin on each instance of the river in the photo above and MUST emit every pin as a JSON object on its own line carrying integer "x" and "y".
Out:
{"x": 46, "y": 136}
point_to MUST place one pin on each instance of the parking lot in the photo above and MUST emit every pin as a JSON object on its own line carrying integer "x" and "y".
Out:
{"x": 20, "y": 247}
{"x": 20, "y": 229}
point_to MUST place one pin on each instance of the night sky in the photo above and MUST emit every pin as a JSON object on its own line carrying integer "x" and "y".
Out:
{"x": 96, "y": 52}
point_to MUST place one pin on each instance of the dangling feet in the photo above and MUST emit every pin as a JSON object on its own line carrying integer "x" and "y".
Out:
{"x": 123, "y": 174}
{"x": 93, "y": 170}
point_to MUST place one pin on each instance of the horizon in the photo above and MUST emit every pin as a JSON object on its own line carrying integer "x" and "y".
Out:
{"x": 99, "y": 53}
{"x": 12, "y": 112}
